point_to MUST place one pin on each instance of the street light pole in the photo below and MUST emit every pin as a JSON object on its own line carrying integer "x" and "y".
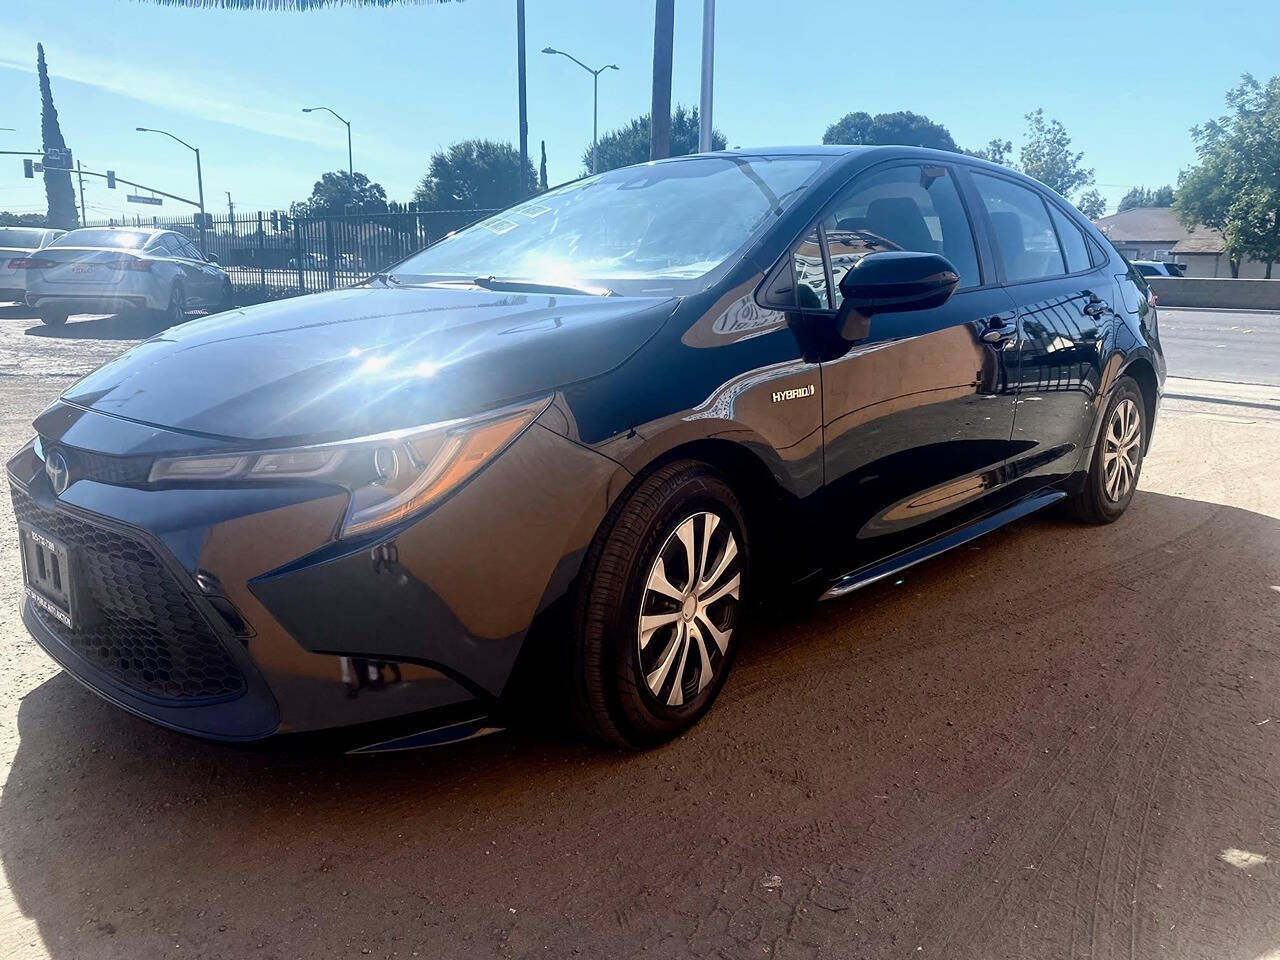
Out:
{"x": 595, "y": 97}
{"x": 708, "y": 72}
{"x": 199, "y": 177}
{"x": 351, "y": 167}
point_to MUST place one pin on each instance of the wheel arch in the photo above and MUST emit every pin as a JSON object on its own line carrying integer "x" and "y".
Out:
{"x": 1144, "y": 374}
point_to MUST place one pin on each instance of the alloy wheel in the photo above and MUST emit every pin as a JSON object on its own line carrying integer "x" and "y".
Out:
{"x": 1122, "y": 450}
{"x": 688, "y": 608}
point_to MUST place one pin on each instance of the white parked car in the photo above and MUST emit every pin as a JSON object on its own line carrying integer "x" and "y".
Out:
{"x": 15, "y": 244}
{"x": 113, "y": 269}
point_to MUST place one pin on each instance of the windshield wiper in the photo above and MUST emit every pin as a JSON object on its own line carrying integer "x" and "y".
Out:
{"x": 530, "y": 286}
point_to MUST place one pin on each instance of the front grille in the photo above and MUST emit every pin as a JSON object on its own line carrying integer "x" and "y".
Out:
{"x": 102, "y": 467}
{"x": 136, "y": 623}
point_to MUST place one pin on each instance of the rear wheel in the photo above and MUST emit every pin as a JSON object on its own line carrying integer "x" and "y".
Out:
{"x": 659, "y": 608}
{"x": 176, "y": 311}
{"x": 53, "y": 318}
{"x": 1117, "y": 458}
{"x": 226, "y": 296}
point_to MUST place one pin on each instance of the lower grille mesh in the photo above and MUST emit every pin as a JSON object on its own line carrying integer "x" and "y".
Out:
{"x": 136, "y": 623}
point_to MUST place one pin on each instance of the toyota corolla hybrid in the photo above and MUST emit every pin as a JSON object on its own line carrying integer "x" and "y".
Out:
{"x": 580, "y": 440}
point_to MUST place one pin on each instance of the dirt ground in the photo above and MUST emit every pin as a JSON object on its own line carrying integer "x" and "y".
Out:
{"x": 1060, "y": 742}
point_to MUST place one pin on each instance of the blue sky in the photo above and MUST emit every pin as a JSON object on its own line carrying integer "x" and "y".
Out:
{"x": 1128, "y": 81}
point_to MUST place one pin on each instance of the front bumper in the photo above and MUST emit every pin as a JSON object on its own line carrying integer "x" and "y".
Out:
{"x": 321, "y": 633}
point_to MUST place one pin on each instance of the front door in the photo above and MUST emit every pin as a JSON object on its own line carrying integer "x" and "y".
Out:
{"x": 918, "y": 412}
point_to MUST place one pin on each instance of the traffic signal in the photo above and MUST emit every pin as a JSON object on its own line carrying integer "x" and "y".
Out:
{"x": 111, "y": 179}
{"x": 29, "y": 169}
{"x": 275, "y": 220}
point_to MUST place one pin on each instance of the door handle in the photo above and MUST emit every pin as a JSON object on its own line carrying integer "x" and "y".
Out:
{"x": 998, "y": 330}
{"x": 1096, "y": 306}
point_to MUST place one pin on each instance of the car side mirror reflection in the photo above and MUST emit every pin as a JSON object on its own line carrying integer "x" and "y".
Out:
{"x": 891, "y": 281}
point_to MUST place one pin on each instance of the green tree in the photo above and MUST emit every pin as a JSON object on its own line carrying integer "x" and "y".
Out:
{"x": 57, "y": 183}
{"x": 630, "y": 144}
{"x": 902, "y": 127}
{"x": 542, "y": 170}
{"x": 1092, "y": 204}
{"x": 1142, "y": 197}
{"x": 1235, "y": 186}
{"x": 341, "y": 192}
{"x": 475, "y": 175}
{"x": 8, "y": 219}
{"x": 1046, "y": 155}
{"x": 997, "y": 151}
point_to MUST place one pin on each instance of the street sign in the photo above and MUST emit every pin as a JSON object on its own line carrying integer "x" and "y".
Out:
{"x": 153, "y": 201}
{"x": 57, "y": 158}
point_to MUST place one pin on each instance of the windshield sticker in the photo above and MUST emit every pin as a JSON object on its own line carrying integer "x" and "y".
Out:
{"x": 499, "y": 225}
{"x": 533, "y": 210}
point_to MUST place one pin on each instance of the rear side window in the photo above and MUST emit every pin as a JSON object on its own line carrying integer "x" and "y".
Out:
{"x": 1024, "y": 235}
{"x": 1074, "y": 248}
{"x": 914, "y": 208}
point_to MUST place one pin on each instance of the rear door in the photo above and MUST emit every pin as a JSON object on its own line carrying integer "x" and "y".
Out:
{"x": 1063, "y": 293}
{"x": 917, "y": 412}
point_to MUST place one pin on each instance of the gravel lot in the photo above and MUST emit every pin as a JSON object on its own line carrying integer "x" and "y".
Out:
{"x": 1059, "y": 742}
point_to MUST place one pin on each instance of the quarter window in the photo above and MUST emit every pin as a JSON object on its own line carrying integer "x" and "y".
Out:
{"x": 1070, "y": 236}
{"x": 1024, "y": 236}
{"x": 811, "y": 275}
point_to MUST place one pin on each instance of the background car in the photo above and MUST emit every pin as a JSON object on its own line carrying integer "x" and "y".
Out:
{"x": 1159, "y": 268}
{"x": 15, "y": 244}
{"x": 111, "y": 269}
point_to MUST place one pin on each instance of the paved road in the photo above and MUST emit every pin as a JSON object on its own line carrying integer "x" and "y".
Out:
{"x": 1059, "y": 742}
{"x": 1227, "y": 345}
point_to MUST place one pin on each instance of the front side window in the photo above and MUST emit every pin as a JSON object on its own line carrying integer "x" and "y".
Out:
{"x": 654, "y": 228}
{"x": 914, "y": 208}
{"x": 1024, "y": 236}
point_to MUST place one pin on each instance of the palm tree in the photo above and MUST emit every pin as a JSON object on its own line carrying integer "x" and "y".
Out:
{"x": 660, "y": 129}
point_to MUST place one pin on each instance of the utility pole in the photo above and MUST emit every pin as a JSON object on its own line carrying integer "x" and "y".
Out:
{"x": 660, "y": 113}
{"x": 84, "y": 214}
{"x": 231, "y": 208}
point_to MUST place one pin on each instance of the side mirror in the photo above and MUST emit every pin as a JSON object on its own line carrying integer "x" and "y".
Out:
{"x": 898, "y": 280}
{"x": 212, "y": 258}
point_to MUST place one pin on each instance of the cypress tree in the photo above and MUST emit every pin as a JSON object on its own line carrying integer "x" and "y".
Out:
{"x": 57, "y": 183}
{"x": 542, "y": 170}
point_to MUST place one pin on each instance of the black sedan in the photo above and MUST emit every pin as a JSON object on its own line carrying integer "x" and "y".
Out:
{"x": 579, "y": 441}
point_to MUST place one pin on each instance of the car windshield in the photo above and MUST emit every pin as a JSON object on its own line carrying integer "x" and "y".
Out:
{"x": 648, "y": 229}
{"x": 20, "y": 236}
{"x": 107, "y": 239}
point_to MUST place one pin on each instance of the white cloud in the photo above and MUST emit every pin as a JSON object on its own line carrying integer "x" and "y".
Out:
{"x": 219, "y": 99}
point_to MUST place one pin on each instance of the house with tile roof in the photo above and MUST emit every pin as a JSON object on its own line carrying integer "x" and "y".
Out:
{"x": 1154, "y": 233}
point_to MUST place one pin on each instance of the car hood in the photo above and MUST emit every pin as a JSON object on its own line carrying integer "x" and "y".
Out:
{"x": 365, "y": 360}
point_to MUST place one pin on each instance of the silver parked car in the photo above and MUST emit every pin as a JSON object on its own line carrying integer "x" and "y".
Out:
{"x": 112, "y": 269}
{"x": 16, "y": 243}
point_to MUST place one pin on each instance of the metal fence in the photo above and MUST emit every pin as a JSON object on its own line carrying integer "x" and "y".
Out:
{"x": 270, "y": 255}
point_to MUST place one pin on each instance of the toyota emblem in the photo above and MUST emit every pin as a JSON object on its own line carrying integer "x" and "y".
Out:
{"x": 59, "y": 474}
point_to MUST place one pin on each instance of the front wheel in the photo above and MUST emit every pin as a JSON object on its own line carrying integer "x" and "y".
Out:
{"x": 1117, "y": 458}
{"x": 660, "y": 604}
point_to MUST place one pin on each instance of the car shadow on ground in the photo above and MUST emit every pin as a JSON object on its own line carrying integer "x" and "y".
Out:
{"x": 130, "y": 325}
{"x": 1042, "y": 739}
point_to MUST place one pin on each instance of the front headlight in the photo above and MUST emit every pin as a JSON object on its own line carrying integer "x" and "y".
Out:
{"x": 389, "y": 475}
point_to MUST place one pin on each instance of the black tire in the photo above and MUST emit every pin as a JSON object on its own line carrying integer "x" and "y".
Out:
{"x": 612, "y": 700}
{"x": 1093, "y": 503}
{"x": 53, "y": 318}
{"x": 227, "y": 298}
{"x": 176, "y": 312}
